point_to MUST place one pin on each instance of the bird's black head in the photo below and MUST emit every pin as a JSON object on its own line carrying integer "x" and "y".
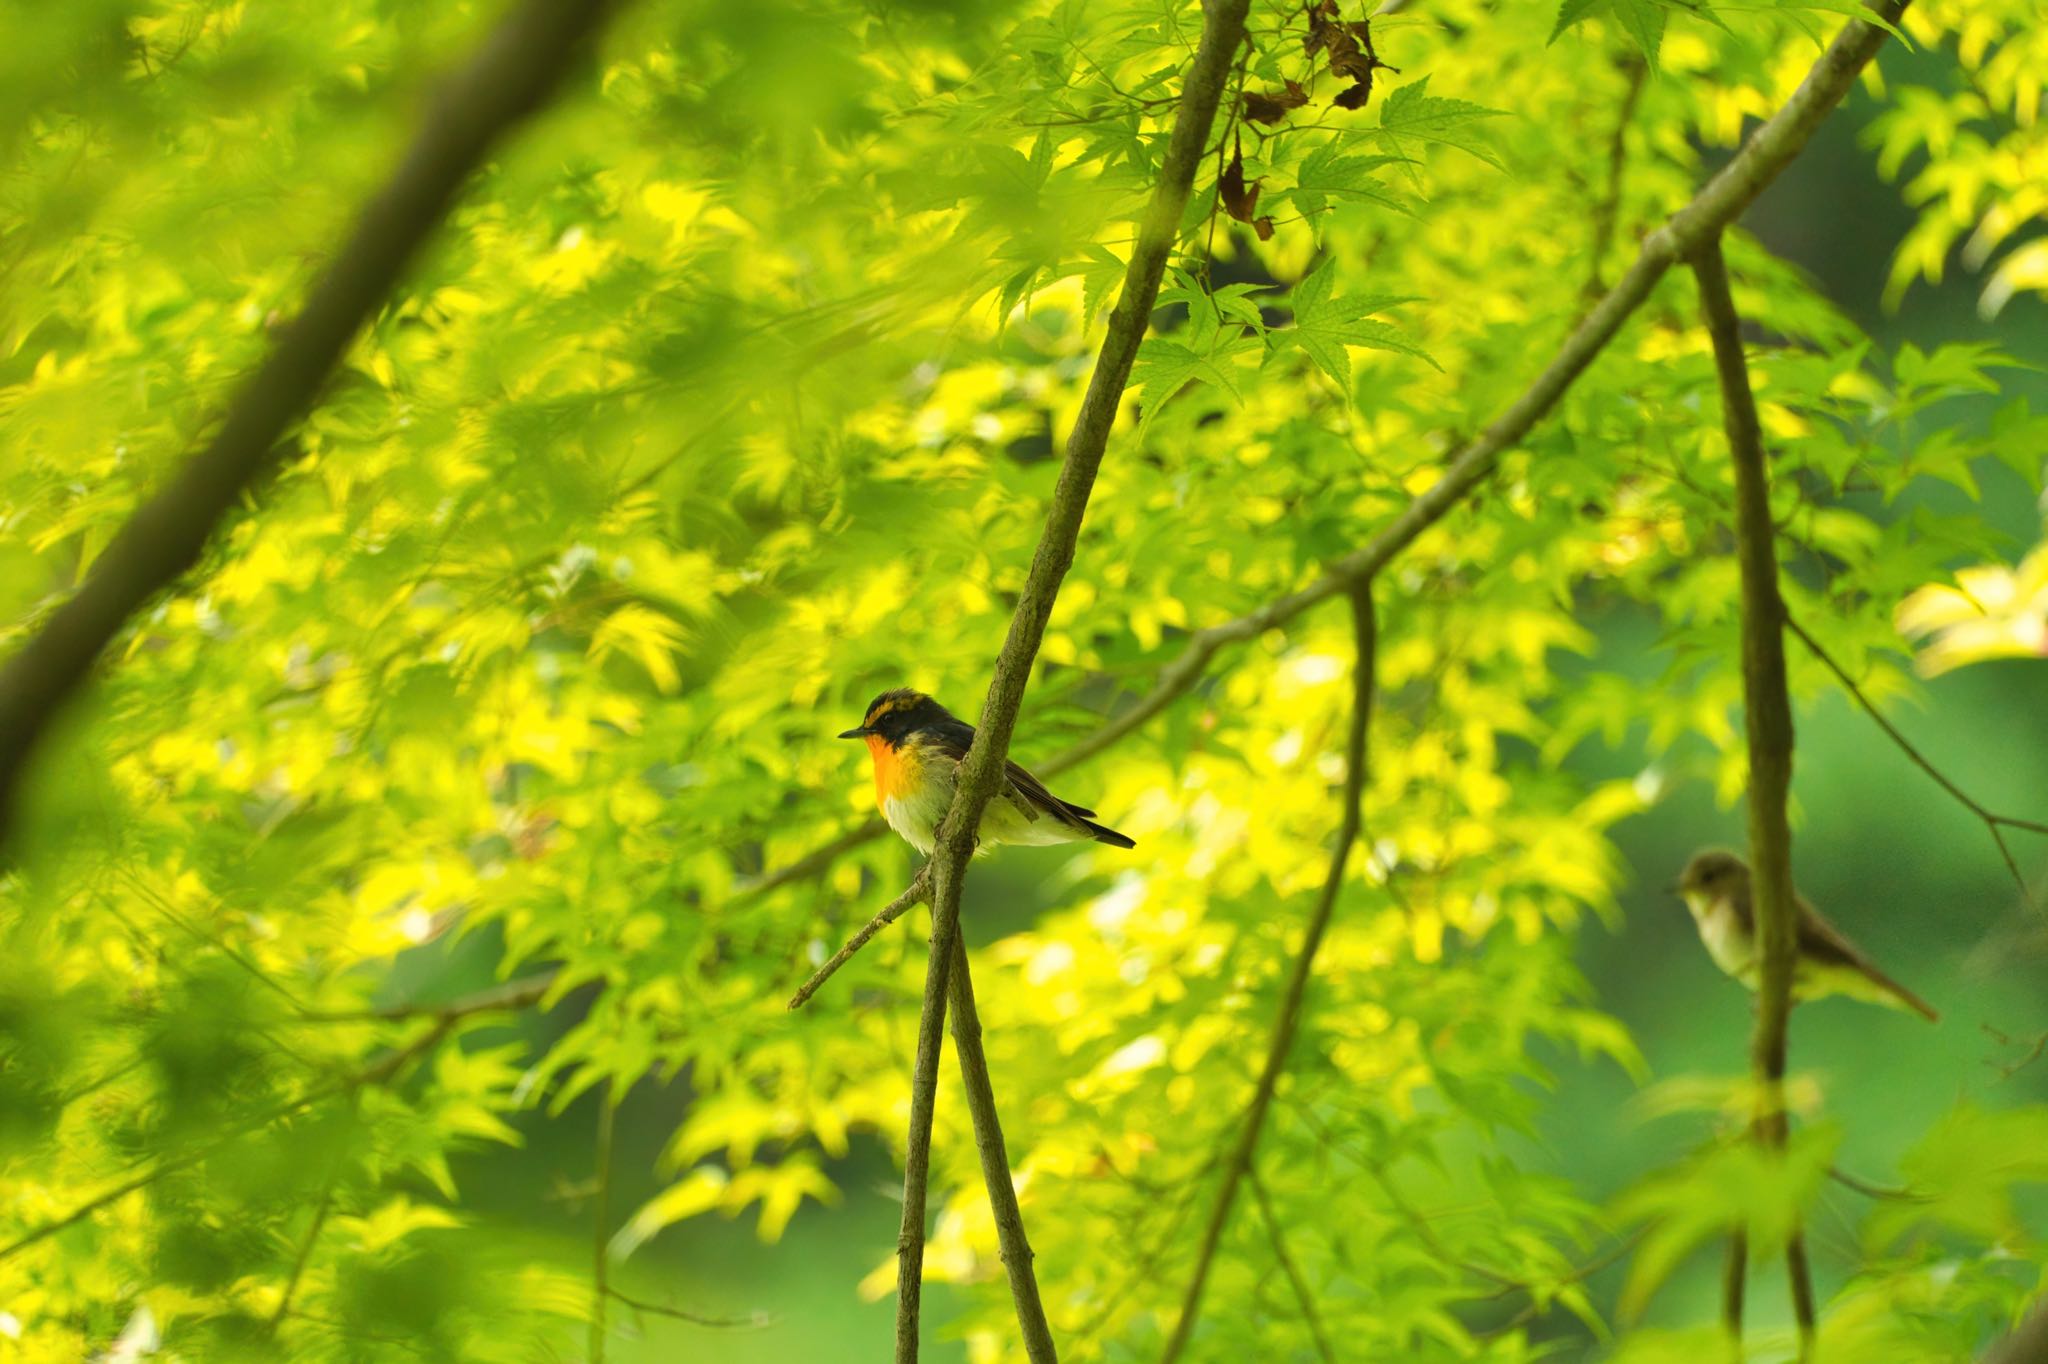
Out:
{"x": 895, "y": 714}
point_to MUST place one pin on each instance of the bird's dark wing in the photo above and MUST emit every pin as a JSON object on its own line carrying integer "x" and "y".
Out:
{"x": 1822, "y": 941}
{"x": 1034, "y": 791}
{"x": 952, "y": 737}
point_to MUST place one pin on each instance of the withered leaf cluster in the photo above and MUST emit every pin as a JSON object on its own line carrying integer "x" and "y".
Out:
{"x": 1348, "y": 49}
{"x": 1241, "y": 201}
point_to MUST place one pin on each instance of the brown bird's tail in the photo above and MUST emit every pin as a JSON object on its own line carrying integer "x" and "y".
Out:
{"x": 1898, "y": 995}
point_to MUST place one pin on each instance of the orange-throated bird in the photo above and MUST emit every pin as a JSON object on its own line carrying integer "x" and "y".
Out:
{"x": 1715, "y": 887}
{"x": 917, "y": 745}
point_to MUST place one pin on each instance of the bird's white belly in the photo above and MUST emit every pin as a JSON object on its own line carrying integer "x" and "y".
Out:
{"x": 1732, "y": 950}
{"x": 916, "y": 816}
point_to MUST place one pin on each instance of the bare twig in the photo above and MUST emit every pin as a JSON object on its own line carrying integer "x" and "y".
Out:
{"x": 1877, "y": 1191}
{"x": 511, "y": 76}
{"x": 1535, "y": 1308}
{"x": 752, "y": 1321}
{"x": 600, "y": 1221}
{"x": 1302, "y": 1295}
{"x": 1239, "y": 1163}
{"x": 2007, "y": 1069}
{"x": 995, "y": 1164}
{"x": 1607, "y": 212}
{"x": 299, "y": 1262}
{"x": 814, "y": 861}
{"x": 917, "y": 894}
{"x": 1769, "y": 725}
{"x": 512, "y": 994}
{"x": 1720, "y": 201}
{"x": 1992, "y": 820}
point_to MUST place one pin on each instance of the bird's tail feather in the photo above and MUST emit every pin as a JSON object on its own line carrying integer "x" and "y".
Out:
{"x": 1102, "y": 833}
{"x": 1901, "y": 995}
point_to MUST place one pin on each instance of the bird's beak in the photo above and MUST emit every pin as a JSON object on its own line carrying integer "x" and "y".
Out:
{"x": 1674, "y": 888}
{"x": 860, "y": 732}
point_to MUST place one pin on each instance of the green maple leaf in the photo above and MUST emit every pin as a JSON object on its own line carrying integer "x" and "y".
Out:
{"x": 1643, "y": 21}
{"x": 1204, "y": 351}
{"x": 1325, "y": 325}
{"x": 1412, "y": 112}
{"x": 1573, "y": 12}
{"x": 1327, "y": 175}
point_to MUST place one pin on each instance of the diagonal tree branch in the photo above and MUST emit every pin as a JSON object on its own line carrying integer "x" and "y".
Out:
{"x": 918, "y": 892}
{"x": 513, "y": 74}
{"x": 995, "y": 1162}
{"x": 1768, "y": 709}
{"x": 1302, "y": 1295}
{"x": 512, "y": 994}
{"x": 1238, "y": 1165}
{"x": 377, "y": 1073}
{"x": 982, "y": 769}
{"x": 1719, "y": 202}
{"x": 1993, "y": 821}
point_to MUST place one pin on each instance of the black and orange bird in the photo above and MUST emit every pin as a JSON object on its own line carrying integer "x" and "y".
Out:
{"x": 917, "y": 745}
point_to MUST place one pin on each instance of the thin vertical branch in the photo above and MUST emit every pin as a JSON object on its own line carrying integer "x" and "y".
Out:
{"x": 981, "y": 770}
{"x": 601, "y": 1226}
{"x": 299, "y": 1263}
{"x": 513, "y": 74}
{"x": 995, "y": 1165}
{"x": 1734, "y": 1287}
{"x": 1607, "y": 212}
{"x": 1302, "y": 1295}
{"x": 1239, "y": 1163}
{"x": 1769, "y": 722}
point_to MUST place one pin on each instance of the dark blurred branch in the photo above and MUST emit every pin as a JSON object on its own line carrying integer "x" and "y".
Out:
{"x": 378, "y": 1072}
{"x": 754, "y": 1321}
{"x": 1720, "y": 201}
{"x": 510, "y": 76}
{"x": 981, "y": 770}
{"x": 1768, "y": 711}
{"x": 918, "y": 892}
{"x": 2028, "y": 1343}
{"x": 1607, "y": 212}
{"x": 600, "y": 1225}
{"x": 513, "y": 994}
{"x": 1278, "y": 1237}
{"x": 995, "y": 1162}
{"x": 1238, "y": 1165}
{"x": 1993, "y": 821}
{"x": 1877, "y": 1191}
{"x": 299, "y": 1262}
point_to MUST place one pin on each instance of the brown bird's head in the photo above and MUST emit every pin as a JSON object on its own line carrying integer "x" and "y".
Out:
{"x": 1713, "y": 873}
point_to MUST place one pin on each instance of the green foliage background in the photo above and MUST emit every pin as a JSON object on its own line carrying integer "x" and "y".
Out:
{"x": 730, "y": 396}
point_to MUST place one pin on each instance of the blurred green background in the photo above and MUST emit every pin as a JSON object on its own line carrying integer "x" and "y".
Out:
{"x": 1913, "y": 877}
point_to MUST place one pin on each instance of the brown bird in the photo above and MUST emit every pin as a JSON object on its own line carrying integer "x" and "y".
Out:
{"x": 1715, "y": 886}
